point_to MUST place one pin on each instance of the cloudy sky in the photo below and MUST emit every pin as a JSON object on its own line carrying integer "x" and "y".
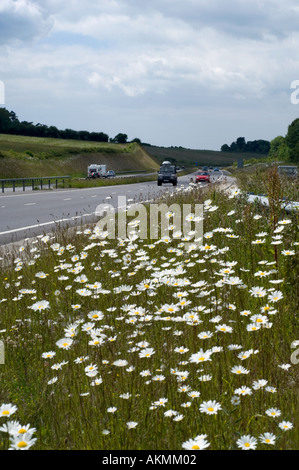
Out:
{"x": 191, "y": 73}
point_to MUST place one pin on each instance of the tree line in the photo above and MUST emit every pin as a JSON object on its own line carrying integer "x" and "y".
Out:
{"x": 254, "y": 146}
{"x": 10, "y": 124}
{"x": 281, "y": 148}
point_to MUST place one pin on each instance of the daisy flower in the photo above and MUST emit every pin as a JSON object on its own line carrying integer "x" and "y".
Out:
{"x": 224, "y": 328}
{"x": 243, "y": 390}
{"x": 181, "y": 350}
{"x": 111, "y": 409}
{"x": 40, "y": 306}
{"x": 247, "y": 442}
{"x": 285, "y": 425}
{"x": 239, "y": 370}
{"x": 201, "y": 356}
{"x": 48, "y": 355}
{"x": 273, "y": 412}
{"x": 64, "y": 343}
{"x": 131, "y": 424}
{"x": 198, "y": 443}
{"x": 7, "y": 410}
{"x": 235, "y": 400}
{"x": 267, "y": 438}
{"x": 258, "y": 384}
{"x": 147, "y": 352}
{"x": 22, "y": 442}
{"x": 210, "y": 407}
{"x": 275, "y": 296}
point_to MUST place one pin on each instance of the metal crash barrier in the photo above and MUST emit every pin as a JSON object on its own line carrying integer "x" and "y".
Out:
{"x": 32, "y": 183}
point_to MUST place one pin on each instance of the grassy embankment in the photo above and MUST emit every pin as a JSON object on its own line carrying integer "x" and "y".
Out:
{"x": 22, "y": 157}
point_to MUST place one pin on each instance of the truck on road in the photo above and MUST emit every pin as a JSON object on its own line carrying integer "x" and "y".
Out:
{"x": 96, "y": 171}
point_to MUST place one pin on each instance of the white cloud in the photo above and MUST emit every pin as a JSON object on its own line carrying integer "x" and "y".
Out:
{"x": 22, "y": 20}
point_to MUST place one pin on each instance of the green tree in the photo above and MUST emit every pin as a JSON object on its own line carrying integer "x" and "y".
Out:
{"x": 240, "y": 142}
{"x": 120, "y": 139}
{"x": 225, "y": 148}
{"x": 292, "y": 140}
{"x": 4, "y": 120}
{"x": 279, "y": 149}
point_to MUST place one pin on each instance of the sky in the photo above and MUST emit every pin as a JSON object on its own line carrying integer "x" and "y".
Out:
{"x": 191, "y": 73}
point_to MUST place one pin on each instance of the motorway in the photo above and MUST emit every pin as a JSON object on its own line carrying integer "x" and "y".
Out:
{"x": 32, "y": 213}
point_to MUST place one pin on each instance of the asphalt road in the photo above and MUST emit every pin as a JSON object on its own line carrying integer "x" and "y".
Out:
{"x": 32, "y": 213}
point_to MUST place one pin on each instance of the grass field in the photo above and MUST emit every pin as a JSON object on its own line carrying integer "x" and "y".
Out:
{"x": 167, "y": 343}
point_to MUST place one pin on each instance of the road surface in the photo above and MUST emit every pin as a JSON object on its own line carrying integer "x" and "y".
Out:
{"x": 29, "y": 214}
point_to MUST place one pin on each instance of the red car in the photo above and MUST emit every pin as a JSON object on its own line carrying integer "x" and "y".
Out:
{"x": 202, "y": 176}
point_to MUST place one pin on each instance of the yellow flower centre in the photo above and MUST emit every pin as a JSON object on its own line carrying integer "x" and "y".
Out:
{"x": 65, "y": 344}
{"x": 210, "y": 409}
{"x": 201, "y": 358}
{"x": 247, "y": 444}
{"x": 5, "y": 412}
{"x": 22, "y": 431}
{"x": 267, "y": 440}
{"x": 22, "y": 444}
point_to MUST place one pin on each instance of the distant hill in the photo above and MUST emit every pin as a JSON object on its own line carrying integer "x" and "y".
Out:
{"x": 189, "y": 157}
{"x": 23, "y": 156}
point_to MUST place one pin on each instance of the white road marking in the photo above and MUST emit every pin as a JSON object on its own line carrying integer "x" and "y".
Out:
{"x": 30, "y": 204}
{"x": 44, "y": 224}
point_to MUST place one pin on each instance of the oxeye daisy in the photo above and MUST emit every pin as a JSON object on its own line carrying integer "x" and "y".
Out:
{"x": 210, "y": 407}
{"x": 239, "y": 370}
{"x": 147, "y": 352}
{"x": 40, "y": 306}
{"x": 64, "y": 343}
{"x": 48, "y": 355}
{"x": 22, "y": 442}
{"x": 201, "y": 356}
{"x": 285, "y": 425}
{"x": 273, "y": 412}
{"x": 7, "y": 410}
{"x": 131, "y": 424}
{"x": 198, "y": 443}
{"x": 111, "y": 409}
{"x": 247, "y": 443}
{"x": 267, "y": 438}
{"x": 244, "y": 390}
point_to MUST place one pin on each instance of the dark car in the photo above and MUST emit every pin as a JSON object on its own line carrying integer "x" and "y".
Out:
{"x": 110, "y": 173}
{"x": 167, "y": 174}
{"x": 205, "y": 168}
